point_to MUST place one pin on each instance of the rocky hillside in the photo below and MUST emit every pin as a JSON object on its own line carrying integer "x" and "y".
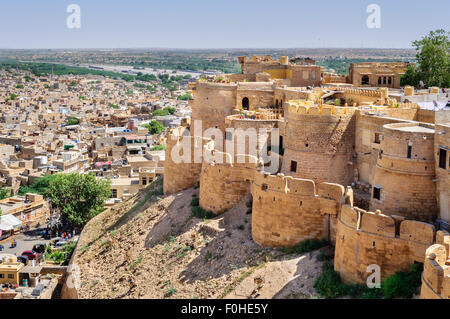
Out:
{"x": 152, "y": 247}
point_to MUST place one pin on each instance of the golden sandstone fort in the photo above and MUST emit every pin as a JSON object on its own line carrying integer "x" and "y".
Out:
{"x": 359, "y": 163}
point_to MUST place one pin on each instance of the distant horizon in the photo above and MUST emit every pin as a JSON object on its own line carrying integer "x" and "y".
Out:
{"x": 217, "y": 25}
{"x": 208, "y": 49}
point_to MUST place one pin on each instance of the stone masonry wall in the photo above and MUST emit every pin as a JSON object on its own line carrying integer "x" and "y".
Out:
{"x": 365, "y": 238}
{"x": 436, "y": 273}
{"x": 321, "y": 141}
{"x": 223, "y": 185}
{"x": 408, "y": 186}
{"x": 287, "y": 210}
{"x": 185, "y": 174}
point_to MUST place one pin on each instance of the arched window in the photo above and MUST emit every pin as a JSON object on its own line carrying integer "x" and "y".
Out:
{"x": 379, "y": 80}
{"x": 245, "y": 103}
{"x": 365, "y": 80}
{"x": 276, "y": 103}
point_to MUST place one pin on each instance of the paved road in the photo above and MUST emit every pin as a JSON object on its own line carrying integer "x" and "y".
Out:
{"x": 24, "y": 242}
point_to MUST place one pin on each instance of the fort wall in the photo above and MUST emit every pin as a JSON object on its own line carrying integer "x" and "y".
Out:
{"x": 436, "y": 273}
{"x": 212, "y": 103}
{"x": 320, "y": 143}
{"x": 366, "y": 238}
{"x": 185, "y": 172}
{"x": 442, "y": 169}
{"x": 368, "y": 128}
{"x": 287, "y": 210}
{"x": 223, "y": 185}
{"x": 404, "y": 181}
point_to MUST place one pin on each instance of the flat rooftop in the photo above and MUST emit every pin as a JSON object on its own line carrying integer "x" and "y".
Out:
{"x": 415, "y": 129}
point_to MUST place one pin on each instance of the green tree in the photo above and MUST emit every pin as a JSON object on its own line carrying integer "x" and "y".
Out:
{"x": 4, "y": 193}
{"x": 38, "y": 187}
{"x": 433, "y": 58}
{"x": 155, "y": 127}
{"x": 72, "y": 121}
{"x": 78, "y": 197}
{"x": 160, "y": 112}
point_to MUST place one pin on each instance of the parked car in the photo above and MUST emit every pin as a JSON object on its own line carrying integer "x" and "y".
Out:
{"x": 59, "y": 244}
{"x": 55, "y": 240}
{"x": 23, "y": 259}
{"x": 39, "y": 248}
{"x": 1, "y": 247}
{"x": 31, "y": 255}
{"x": 37, "y": 291}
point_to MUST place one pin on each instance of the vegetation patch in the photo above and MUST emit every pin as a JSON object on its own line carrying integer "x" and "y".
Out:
{"x": 305, "y": 246}
{"x": 399, "y": 285}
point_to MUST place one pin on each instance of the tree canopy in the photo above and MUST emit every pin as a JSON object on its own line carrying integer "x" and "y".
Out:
{"x": 433, "y": 61}
{"x": 72, "y": 121}
{"x": 155, "y": 127}
{"x": 79, "y": 197}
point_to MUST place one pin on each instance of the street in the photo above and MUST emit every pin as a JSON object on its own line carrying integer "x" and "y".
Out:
{"x": 24, "y": 242}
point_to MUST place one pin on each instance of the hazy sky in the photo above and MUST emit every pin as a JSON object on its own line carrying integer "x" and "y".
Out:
{"x": 218, "y": 23}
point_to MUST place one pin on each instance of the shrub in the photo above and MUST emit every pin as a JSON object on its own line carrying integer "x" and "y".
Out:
{"x": 337, "y": 102}
{"x": 160, "y": 113}
{"x": 158, "y": 148}
{"x": 199, "y": 212}
{"x": 195, "y": 202}
{"x": 403, "y": 284}
{"x": 329, "y": 285}
{"x": 399, "y": 285}
{"x": 306, "y": 246}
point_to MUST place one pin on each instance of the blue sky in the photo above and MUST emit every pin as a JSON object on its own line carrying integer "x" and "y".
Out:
{"x": 218, "y": 23}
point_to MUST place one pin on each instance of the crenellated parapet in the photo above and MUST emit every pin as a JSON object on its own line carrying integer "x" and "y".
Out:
{"x": 224, "y": 181}
{"x": 287, "y": 210}
{"x": 404, "y": 179}
{"x": 367, "y": 238}
{"x": 436, "y": 273}
{"x": 319, "y": 142}
{"x": 183, "y": 162}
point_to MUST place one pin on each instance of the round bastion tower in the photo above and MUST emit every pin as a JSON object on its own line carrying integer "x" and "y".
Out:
{"x": 212, "y": 103}
{"x": 404, "y": 180}
{"x": 319, "y": 143}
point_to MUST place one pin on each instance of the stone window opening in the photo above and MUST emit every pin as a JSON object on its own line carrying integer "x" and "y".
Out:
{"x": 442, "y": 158}
{"x": 377, "y": 138}
{"x": 144, "y": 181}
{"x": 384, "y": 80}
{"x": 245, "y": 103}
{"x": 379, "y": 80}
{"x": 365, "y": 80}
{"x": 301, "y": 203}
{"x": 114, "y": 193}
{"x": 264, "y": 187}
{"x": 409, "y": 151}
{"x": 377, "y": 192}
{"x": 389, "y": 80}
{"x": 293, "y": 166}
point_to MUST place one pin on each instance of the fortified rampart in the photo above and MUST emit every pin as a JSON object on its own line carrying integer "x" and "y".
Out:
{"x": 287, "y": 210}
{"x": 224, "y": 184}
{"x": 368, "y": 140}
{"x": 320, "y": 143}
{"x": 404, "y": 182}
{"x": 442, "y": 160}
{"x": 182, "y": 170}
{"x": 212, "y": 103}
{"x": 366, "y": 238}
{"x": 436, "y": 273}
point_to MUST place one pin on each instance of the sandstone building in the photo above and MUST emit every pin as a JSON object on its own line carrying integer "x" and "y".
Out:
{"x": 359, "y": 165}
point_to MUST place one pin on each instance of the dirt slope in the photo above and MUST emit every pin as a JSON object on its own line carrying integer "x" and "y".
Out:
{"x": 151, "y": 247}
